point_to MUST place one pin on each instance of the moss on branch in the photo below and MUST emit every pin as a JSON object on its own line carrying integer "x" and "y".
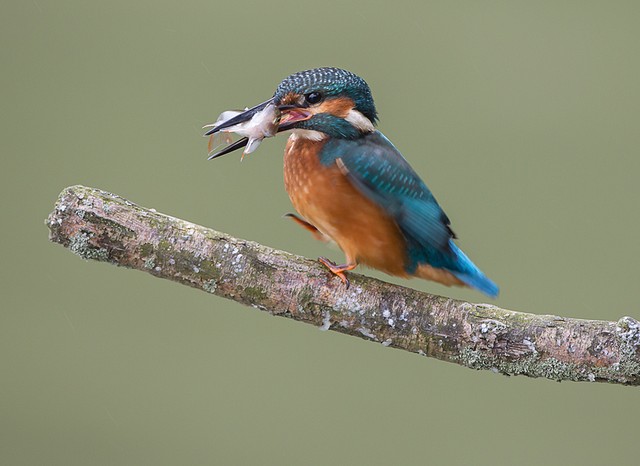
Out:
{"x": 101, "y": 226}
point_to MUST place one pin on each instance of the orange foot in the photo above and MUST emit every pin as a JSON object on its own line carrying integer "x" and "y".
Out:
{"x": 338, "y": 270}
{"x": 307, "y": 226}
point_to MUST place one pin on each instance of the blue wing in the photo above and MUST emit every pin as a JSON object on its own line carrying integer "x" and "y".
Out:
{"x": 380, "y": 172}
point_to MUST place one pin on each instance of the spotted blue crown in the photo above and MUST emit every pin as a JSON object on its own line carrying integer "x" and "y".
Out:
{"x": 332, "y": 82}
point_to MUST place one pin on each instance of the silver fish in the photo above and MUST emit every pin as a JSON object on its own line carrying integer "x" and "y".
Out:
{"x": 263, "y": 124}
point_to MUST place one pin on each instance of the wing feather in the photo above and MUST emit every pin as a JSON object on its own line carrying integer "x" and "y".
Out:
{"x": 380, "y": 172}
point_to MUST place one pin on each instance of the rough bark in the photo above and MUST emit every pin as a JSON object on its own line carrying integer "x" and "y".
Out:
{"x": 98, "y": 225}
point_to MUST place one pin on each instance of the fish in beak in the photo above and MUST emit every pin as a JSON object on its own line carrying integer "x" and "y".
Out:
{"x": 254, "y": 124}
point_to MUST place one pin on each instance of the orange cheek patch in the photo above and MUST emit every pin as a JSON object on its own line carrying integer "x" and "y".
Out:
{"x": 339, "y": 107}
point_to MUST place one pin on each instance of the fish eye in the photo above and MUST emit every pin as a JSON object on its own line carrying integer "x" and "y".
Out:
{"x": 313, "y": 97}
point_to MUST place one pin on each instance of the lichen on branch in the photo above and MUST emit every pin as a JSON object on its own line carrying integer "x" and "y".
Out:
{"x": 101, "y": 226}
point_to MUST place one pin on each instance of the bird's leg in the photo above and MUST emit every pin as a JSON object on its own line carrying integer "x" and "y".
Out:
{"x": 339, "y": 270}
{"x": 307, "y": 226}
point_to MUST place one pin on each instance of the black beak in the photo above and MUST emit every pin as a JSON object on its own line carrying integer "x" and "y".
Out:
{"x": 246, "y": 116}
{"x": 239, "y": 144}
{"x": 241, "y": 118}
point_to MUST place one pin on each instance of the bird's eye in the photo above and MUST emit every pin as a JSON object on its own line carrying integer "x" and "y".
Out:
{"x": 313, "y": 97}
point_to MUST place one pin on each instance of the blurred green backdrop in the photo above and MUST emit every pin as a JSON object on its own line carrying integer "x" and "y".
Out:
{"x": 523, "y": 117}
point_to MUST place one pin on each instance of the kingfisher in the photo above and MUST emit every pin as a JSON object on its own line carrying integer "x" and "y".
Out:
{"x": 349, "y": 183}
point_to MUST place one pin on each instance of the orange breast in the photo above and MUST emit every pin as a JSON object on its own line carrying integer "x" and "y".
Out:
{"x": 328, "y": 200}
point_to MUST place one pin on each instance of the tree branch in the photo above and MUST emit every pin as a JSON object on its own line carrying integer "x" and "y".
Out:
{"x": 105, "y": 227}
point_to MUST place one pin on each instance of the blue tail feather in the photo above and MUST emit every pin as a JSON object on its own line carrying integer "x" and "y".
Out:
{"x": 470, "y": 274}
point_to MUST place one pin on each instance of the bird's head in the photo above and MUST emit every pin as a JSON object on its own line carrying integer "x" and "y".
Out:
{"x": 317, "y": 103}
{"x": 329, "y": 101}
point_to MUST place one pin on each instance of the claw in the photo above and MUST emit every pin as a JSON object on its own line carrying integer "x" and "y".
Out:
{"x": 338, "y": 270}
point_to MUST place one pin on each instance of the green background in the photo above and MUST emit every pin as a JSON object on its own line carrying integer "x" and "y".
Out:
{"x": 523, "y": 118}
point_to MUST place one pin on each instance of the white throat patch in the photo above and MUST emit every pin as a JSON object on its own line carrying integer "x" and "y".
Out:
{"x": 307, "y": 134}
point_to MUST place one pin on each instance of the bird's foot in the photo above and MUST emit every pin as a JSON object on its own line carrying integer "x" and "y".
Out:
{"x": 307, "y": 226}
{"x": 338, "y": 270}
